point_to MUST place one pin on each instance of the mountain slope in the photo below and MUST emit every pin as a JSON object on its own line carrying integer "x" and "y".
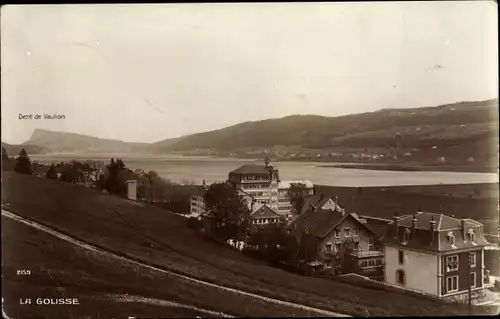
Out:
{"x": 448, "y": 125}
{"x": 72, "y": 142}
{"x": 13, "y": 150}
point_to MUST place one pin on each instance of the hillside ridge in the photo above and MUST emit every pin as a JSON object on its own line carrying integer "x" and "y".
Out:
{"x": 468, "y": 125}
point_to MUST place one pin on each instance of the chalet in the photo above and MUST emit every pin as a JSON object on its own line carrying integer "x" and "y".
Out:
{"x": 327, "y": 236}
{"x": 264, "y": 215}
{"x": 435, "y": 254}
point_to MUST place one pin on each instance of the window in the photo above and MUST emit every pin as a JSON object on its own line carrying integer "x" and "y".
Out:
{"x": 452, "y": 284}
{"x": 379, "y": 262}
{"x": 452, "y": 263}
{"x": 472, "y": 236}
{"x": 401, "y": 257}
{"x": 472, "y": 279}
{"x": 400, "y": 277}
{"x": 371, "y": 263}
{"x": 363, "y": 264}
{"x": 356, "y": 231}
{"x": 337, "y": 233}
{"x": 347, "y": 232}
{"x": 337, "y": 247}
{"x": 356, "y": 246}
{"x": 328, "y": 248}
{"x": 472, "y": 260}
{"x": 451, "y": 239}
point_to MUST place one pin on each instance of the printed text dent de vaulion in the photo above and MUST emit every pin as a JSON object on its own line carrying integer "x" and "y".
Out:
{"x": 45, "y": 116}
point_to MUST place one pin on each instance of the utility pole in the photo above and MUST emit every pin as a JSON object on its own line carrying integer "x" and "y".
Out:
{"x": 469, "y": 283}
{"x": 306, "y": 232}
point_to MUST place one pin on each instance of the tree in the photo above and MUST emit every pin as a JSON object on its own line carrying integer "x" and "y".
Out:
{"x": 5, "y": 155}
{"x": 296, "y": 195}
{"x": 114, "y": 183}
{"x": 223, "y": 202}
{"x": 7, "y": 162}
{"x": 23, "y": 163}
{"x": 51, "y": 173}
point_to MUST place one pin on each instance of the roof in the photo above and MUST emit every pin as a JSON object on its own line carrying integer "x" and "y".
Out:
{"x": 195, "y": 190}
{"x": 287, "y": 184}
{"x": 422, "y": 237}
{"x": 377, "y": 225}
{"x": 319, "y": 222}
{"x": 318, "y": 201}
{"x": 251, "y": 169}
{"x": 264, "y": 212}
{"x": 443, "y": 222}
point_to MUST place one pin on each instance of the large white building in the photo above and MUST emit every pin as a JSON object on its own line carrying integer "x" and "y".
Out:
{"x": 260, "y": 182}
{"x": 435, "y": 254}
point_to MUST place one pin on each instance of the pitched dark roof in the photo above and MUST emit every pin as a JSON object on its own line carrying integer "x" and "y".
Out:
{"x": 264, "y": 212}
{"x": 377, "y": 225}
{"x": 193, "y": 190}
{"x": 423, "y": 238}
{"x": 251, "y": 169}
{"x": 320, "y": 222}
{"x": 316, "y": 222}
{"x": 316, "y": 200}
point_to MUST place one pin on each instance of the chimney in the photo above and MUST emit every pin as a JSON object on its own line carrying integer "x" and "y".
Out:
{"x": 395, "y": 219}
{"x": 433, "y": 229}
{"x": 462, "y": 228}
{"x": 414, "y": 222}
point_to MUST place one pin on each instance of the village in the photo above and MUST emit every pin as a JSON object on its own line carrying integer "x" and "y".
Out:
{"x": 289, "y": 224}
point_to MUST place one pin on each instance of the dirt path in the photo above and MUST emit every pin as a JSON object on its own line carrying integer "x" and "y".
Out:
{"x": 320, "y": 312}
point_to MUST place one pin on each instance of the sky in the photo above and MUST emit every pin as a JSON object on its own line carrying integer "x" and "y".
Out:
{"x": 143, "y": 73}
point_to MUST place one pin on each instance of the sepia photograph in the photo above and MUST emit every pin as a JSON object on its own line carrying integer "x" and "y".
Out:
{"x": 300, "y": 159}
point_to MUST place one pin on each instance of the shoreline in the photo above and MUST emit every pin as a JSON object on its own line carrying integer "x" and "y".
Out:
{"x": 416, "y": 168}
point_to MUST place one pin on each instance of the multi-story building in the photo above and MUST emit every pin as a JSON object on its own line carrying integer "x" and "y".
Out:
{"x": 284, "y": 205}
{"x": 324, "y": 235}
{"x": 436, "y": 255}
{"x": 259, "y": 181}
{"x": 197, "y": 201}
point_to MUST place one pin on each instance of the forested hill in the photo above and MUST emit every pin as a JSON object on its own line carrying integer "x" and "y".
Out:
{"x": 446, "y": 125}
{"x": 457, "y": 131}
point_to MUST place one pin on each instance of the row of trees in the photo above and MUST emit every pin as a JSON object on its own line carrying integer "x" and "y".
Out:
{"x": 21, "y": 164}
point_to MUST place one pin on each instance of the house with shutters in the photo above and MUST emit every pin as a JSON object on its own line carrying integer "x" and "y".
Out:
{"x": 327, "y": 234}
{"x": 435, "y": 254}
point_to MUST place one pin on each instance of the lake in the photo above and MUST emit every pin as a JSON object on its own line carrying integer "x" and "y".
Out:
{"x": 185, "y": 168}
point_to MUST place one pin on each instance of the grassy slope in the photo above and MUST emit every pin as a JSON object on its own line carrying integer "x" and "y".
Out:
{"x": 159, "y": 237}
{"x": 89, "y": 275}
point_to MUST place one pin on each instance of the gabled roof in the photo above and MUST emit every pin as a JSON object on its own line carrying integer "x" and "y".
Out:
{"x": 264, "y": 212}
{"x": 318, "y": 201}
{"x": 251, "y": 169}
{"x": 320, "y": 222}
{"x": 377, "y": 225}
